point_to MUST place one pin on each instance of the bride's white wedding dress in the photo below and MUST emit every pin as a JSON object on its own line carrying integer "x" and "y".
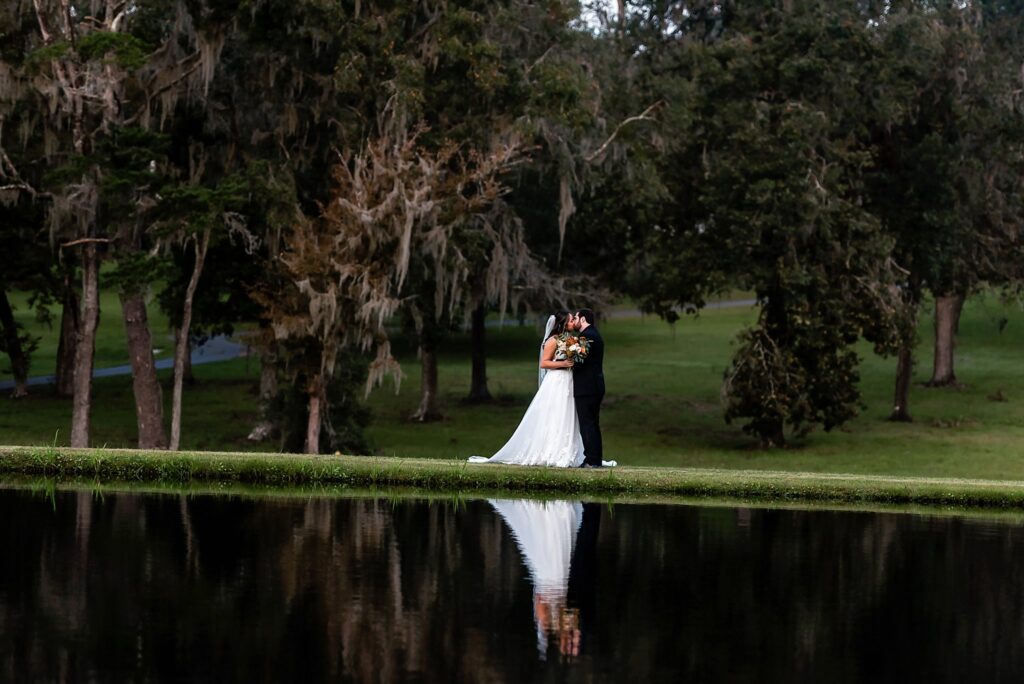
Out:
{"x": 549, "y": 434}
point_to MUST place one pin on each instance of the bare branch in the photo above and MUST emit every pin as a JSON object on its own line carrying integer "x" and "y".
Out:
{"x": 18, "y": 186}
{"x": 8, "y": 171}
{"x": 118, "y": 10}
{"x": 643, "y": 116}
{"x": 47, "y": 36}
{"x": 539, "y": 60}
{"x": 83, "y": 241}
{"x": 69, "y": 26}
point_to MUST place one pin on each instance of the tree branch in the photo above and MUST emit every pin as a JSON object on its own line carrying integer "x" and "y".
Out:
{"x": 539, "y": 60}
{"x": 642, "y": 116}
{"x": 83, "y": 241}
{"x": 47, "y": 36}
{"x": 18, "y": 186}
{"x": 167, "y": 86}
{"x": 8, "y": 171}
{"x": 69, "y": 26}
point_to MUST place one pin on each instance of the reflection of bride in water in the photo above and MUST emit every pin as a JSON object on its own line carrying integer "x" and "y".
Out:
{"x": 546, "y": 533}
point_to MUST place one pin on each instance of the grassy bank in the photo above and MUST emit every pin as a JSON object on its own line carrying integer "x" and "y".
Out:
{"x": 49, "y": 487}
{"x": 455, "y": 476}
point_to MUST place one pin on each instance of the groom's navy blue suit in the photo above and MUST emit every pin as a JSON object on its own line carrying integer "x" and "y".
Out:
{"x": 588, "y": 390}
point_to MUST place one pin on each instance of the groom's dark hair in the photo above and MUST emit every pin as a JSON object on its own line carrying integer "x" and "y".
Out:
{"x": 588, "y": 315}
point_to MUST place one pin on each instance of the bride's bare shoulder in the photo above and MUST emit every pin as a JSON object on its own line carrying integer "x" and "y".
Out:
{"x": 548, "y": 350}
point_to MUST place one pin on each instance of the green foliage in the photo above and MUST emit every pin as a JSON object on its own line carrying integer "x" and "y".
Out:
{"x": 135, "y": 271}
{"x": 948, "y": 148}
{"x": 770, "y": 179}
{"x": 131, "y": 165}
{"x": 29, "y": 344}
{"x": 122, "y": 49}
{"x": 560, "y": 90}
{"x": 810, "y": 381}
{"x": 197, "y": 207}
{"x": 128, "y": 163}
{"x": 45, "y": 53}
{"x": 835, "y": 159}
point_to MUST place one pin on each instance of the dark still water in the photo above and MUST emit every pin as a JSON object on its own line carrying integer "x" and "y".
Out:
{"x": 217, "y": 588}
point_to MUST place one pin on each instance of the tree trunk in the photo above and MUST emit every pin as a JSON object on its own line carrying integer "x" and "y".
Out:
{"x": 64, "y": 374}
{"x": 959, "y": 310}
{"x": 772, "y": 428}
{"x": 947, "y": 318}
{"x": 316, "y": 396}
{"x": 268, "y": 390}
{"x": 478, "y": 385}
{"x": 187, "y": 376}
{"x": 12, "y": 341}
{"x": 773, "y": 435}
{"x": 85, "y": 346}
{"x": 429, "y": 409}
{"x": 268, "y": 377}
{"x": 149, "y": 403}
{"x": 904, "y": 377}
{"x": 181, "y": 347}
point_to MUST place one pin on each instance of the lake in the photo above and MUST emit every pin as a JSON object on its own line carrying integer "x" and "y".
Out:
{"x": 208, "y": 587}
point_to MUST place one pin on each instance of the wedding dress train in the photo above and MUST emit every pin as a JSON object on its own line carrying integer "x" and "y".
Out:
{"x": 549, "y": 434}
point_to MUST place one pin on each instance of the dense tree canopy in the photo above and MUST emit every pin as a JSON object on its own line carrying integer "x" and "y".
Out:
{"x": 324, "y": 169}
{"x": 832, "y": 159}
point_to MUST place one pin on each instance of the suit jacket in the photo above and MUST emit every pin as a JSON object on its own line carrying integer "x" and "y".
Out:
{"x": 588, "y": 377}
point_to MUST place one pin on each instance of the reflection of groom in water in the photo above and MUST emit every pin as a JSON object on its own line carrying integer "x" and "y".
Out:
{"x": 582, "y": 597}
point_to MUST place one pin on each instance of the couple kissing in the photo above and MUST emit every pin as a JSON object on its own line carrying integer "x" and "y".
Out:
{"x": 562, "y": 426}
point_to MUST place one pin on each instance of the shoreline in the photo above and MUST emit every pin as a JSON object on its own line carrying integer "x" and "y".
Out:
{"x": 44, "y": 486}
{"x": 448, "y": 476}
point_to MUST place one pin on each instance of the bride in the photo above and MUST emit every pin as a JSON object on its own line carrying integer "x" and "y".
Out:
{"x": 549, "y": 434}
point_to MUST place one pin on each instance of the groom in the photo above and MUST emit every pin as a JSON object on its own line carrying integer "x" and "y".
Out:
{"x": 588, "y": 387}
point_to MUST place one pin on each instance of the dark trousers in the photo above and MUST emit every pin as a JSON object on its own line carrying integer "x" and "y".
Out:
{"x": 588, "y": 410}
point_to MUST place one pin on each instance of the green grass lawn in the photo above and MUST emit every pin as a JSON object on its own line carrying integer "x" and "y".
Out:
{"x": 663, "y": 405}
{"x": 111, "y": 349}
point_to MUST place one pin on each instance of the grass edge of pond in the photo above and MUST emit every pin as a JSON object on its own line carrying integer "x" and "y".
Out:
{"x": 131, "y": 465}
{"x": 303, "y": 492}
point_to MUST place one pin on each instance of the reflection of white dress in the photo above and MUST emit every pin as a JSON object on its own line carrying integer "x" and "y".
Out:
{"x": 549, "y": 434}
{"x": 545, "y": 532}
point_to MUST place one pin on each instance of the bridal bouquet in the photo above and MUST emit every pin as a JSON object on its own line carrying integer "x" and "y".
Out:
{"x": 572, "y": 347}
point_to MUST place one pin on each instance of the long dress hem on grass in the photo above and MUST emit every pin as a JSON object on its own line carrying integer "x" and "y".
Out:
{"x": 549, "y": 433}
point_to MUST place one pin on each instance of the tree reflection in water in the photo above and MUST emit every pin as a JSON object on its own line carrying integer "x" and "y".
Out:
{"x": 215, "y": 587}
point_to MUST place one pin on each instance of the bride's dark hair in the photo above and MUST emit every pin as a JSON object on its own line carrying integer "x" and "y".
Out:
{"x": 561, "y": 318}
